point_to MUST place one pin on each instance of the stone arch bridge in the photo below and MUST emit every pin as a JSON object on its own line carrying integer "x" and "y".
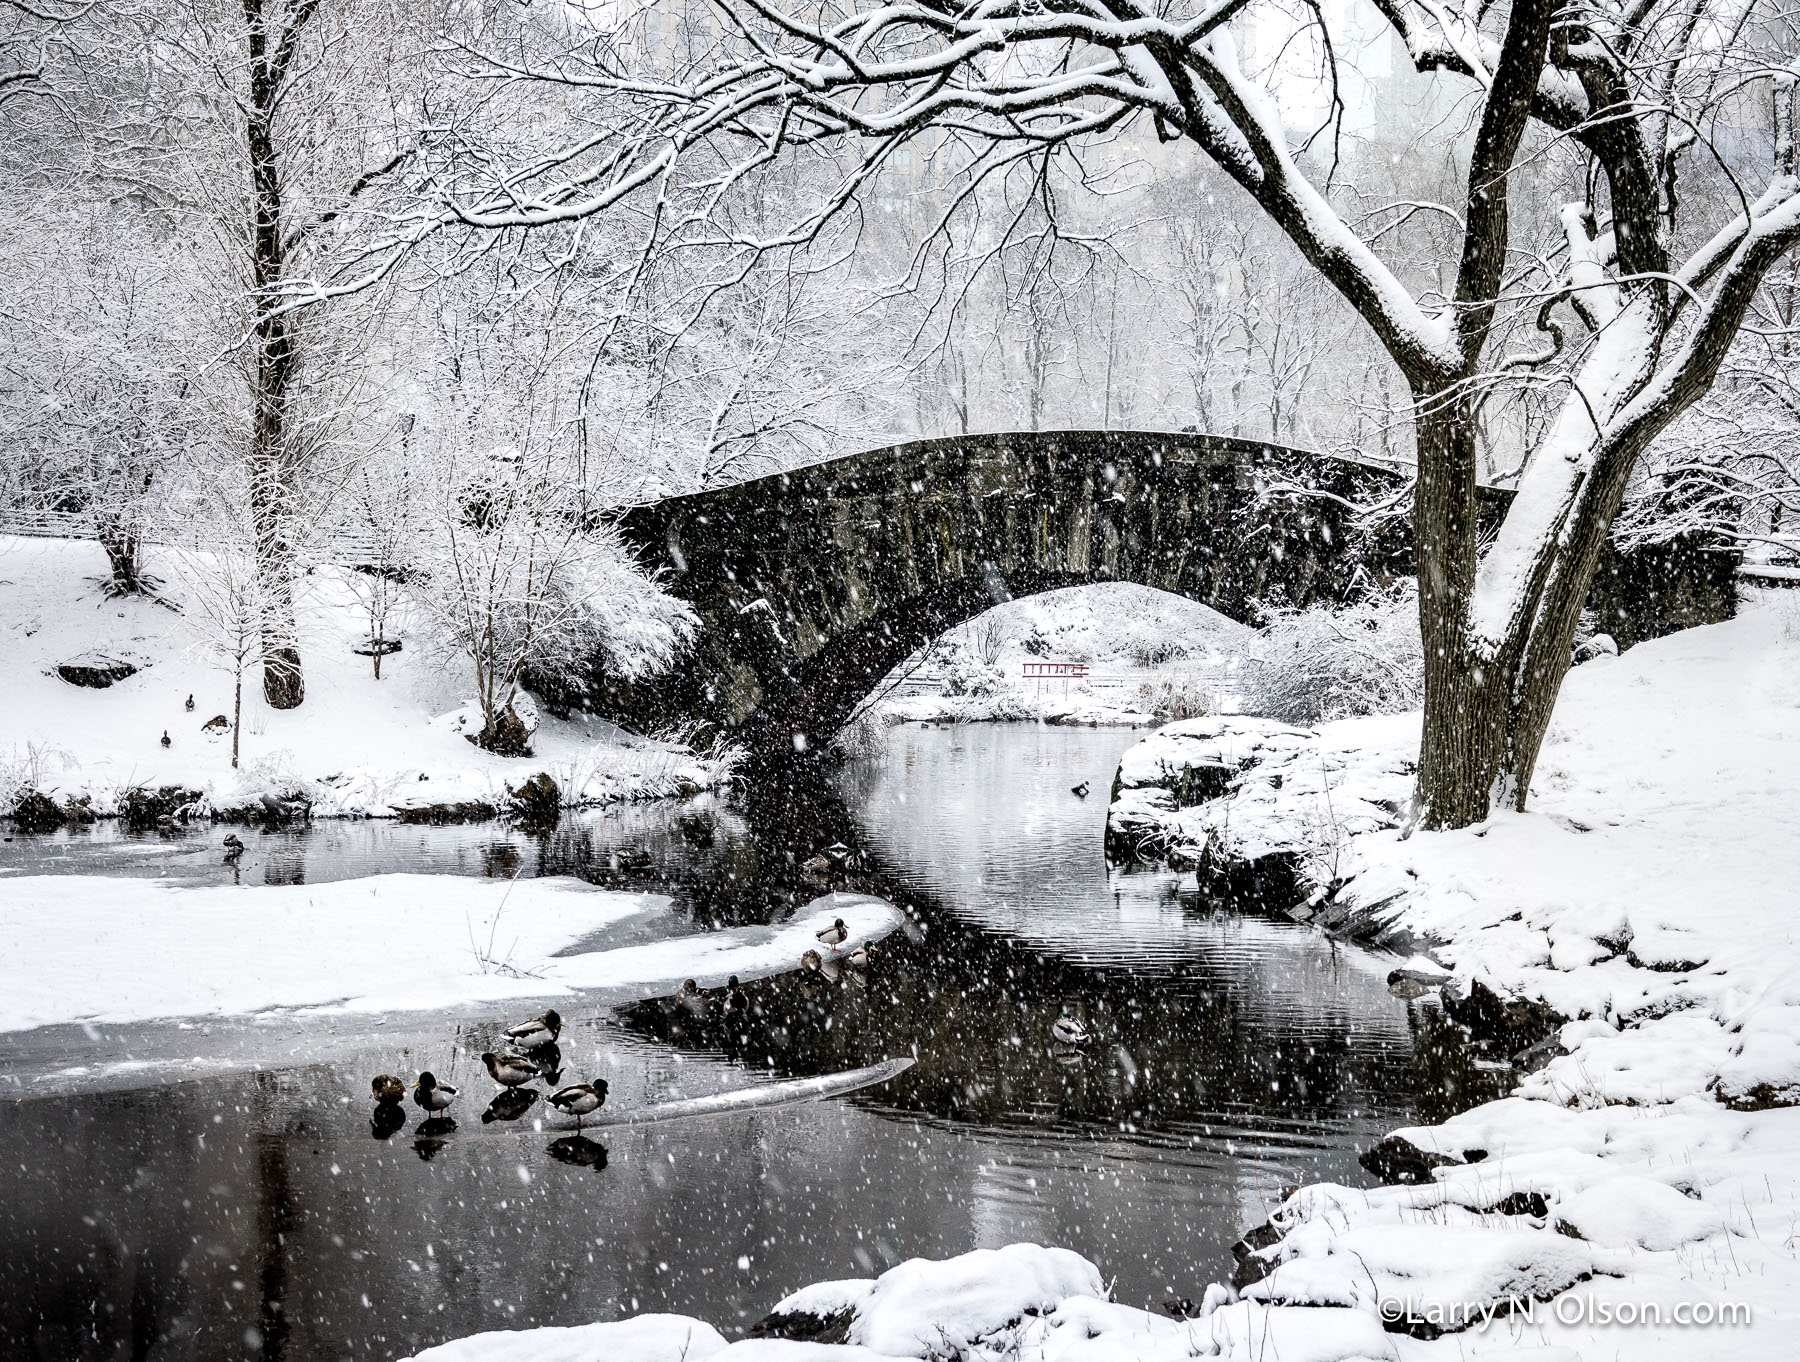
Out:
{"x": 812, "y": 585}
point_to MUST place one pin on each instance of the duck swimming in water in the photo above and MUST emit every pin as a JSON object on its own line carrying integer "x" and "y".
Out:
{"x": 385, "y": 1089}
{"x": 234, "y": 847}
{"x": 835, "y": 935}
{"x": 432, "y": 1095}
{"x": 690, "y": 997}
{"x": 580, "y": 1099}
{"x": 509, "y": 1070}
{"x": 734, "y": 1000}
{"x": 536, "y": 1033}
{"x": 1068, "y": 1029}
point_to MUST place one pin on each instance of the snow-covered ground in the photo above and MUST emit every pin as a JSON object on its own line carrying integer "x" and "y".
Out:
{"x": 1637, "y": 1197}
{"x": 357, "y": 745}
{"x": 93, "y": 949}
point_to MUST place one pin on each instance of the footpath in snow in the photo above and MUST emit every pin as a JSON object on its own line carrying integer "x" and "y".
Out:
{"x": 1636, "y": 1197}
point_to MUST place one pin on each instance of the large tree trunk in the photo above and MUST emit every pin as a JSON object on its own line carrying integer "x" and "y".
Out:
{"x": 1463, "y": 744}
{"x": 1487, "y": 705}
{"x": 284, "y": 685}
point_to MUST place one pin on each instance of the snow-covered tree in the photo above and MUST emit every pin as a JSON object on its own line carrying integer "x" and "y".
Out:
{"x": 1604, "y": 245}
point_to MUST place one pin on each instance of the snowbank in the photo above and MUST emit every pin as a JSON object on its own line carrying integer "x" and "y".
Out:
{"x": 356, "y": 747}
{"x": 1648, "y": 897}
{"x": 648, "y": 1338}
{"x": 1023, "y": 1301}
{"x": 96, "y": 949}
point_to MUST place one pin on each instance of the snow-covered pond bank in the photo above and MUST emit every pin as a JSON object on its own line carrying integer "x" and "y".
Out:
{"x": 1230, "y": 1060}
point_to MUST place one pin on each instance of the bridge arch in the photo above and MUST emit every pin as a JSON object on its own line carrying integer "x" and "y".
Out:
{"x": 812, "y": 585}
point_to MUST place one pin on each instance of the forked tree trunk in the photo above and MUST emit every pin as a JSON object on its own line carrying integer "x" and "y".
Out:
{"x": 1488, "y": 707}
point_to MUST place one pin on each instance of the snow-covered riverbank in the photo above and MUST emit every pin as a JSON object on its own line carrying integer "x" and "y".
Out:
{"x": 357, "y": 747}
{"x": 1638, "y": 1196}
{"x": 81, "y": 948}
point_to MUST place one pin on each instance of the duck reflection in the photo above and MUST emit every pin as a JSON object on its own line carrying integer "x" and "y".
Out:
{"x": 510, "y": 1105}
{"x": 430, "y": 1138}
{"x": 578, "y": 1151}
{"x": 388, "y": 1119}
{"x": 549, "y": 1060}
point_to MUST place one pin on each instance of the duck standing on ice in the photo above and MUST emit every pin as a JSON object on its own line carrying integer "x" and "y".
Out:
{"x": 536, "y": 1033}
{"x": 835, "y": 935}
{"x": 509, "y": 1070}
{"x": 432, "y": 1095}
{"x": 580, "y": 1099}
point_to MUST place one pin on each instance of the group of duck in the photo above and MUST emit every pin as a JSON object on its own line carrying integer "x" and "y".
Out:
{"x": 528, "y": 1053}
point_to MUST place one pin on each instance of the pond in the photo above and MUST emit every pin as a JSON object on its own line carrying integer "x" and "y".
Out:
{"x": 218, "y": 1190}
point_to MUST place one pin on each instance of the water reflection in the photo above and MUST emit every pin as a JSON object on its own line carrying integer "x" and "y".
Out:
{"x": 253, "y": 1215}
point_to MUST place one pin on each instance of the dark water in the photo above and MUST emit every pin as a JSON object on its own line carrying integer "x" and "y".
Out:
{"x": 257, "y": 1213}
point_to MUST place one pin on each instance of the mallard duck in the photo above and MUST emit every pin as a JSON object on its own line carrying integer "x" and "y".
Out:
{"x": 838, "y": 852}
{"x": 536, "y": 1033}
{"x": 860, "y": 957}
{"x": 835, "y": 935}
{"x": 509, "y": 1070}
{"x": 432, "y": 1095}
{"x": 386, "y": 1088}
{"x": 1068, "y": 1029}
{"x": 734, "y": 1000}
{"x": 690, "y": 997}
{"x": 580, "y": 1099}
{"x": 810, "y": 962}
{"x": 190, "y": 705}
{"x": 234, "y": 846}
{"x": 166, "y": 740}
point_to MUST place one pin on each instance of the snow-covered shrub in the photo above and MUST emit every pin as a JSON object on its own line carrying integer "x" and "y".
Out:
{"x": 865, "y": 736}
{"x": 26, "y": 769}
{"x": 1179, "y": 695}
{"x": 966, "y": 674}
{"x": 519, "y": 575}
{"x": 1319, "y": 664}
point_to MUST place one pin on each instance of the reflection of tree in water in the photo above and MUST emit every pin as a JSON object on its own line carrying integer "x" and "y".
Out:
{"x": 1170, "y": 1058}
{"x": 500, "y": 860}
{"x": 1166, "y": 1056}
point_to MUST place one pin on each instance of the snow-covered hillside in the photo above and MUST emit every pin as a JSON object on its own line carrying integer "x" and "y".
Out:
{"x": 357, "y": 745}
